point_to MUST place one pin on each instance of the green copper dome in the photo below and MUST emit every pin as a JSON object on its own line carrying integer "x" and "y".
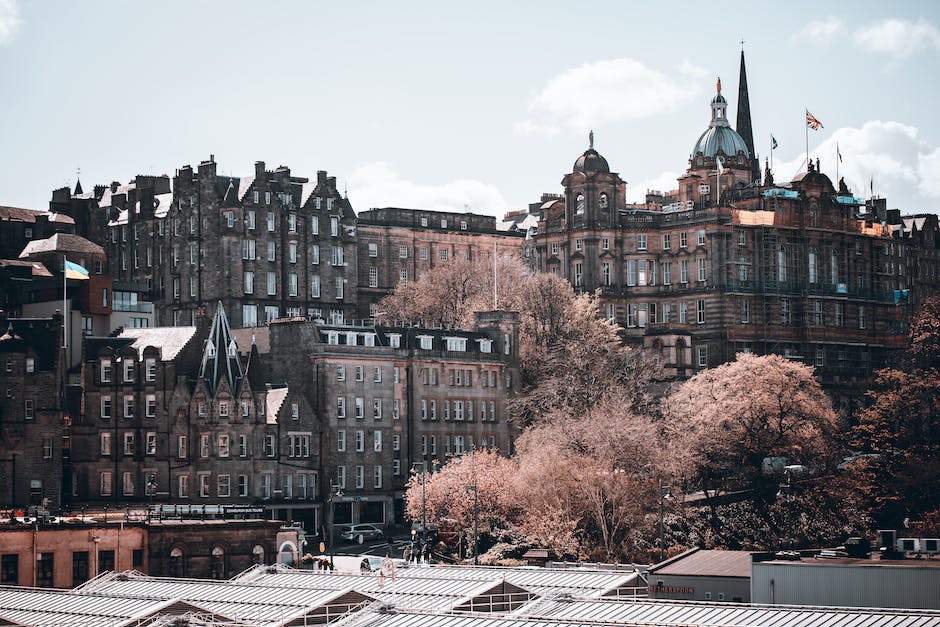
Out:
{"x": 719, "y": 136}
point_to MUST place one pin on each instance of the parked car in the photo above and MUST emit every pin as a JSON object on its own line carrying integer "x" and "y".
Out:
{"x": 360, "y": 533}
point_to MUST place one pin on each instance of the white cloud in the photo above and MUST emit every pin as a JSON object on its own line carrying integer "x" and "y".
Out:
{"x": 819, "y": 30}
{"x": 9, "y": 20}
{"x": 687, "y": 68}
{"x": 377, "y": 185}
{"x": 534, "y": 128}
{"x": 898, "y": 38}
{"x": 889, "y": 152}
{"x": 665, "y": 182}
{"x": 928, "y": 169}
{"x": 605, "y": 91}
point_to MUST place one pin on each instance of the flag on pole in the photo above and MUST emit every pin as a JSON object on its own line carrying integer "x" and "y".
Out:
{"x": 75, "y": 271}
{"x": 838, "y": 152}
{"x": 812, "y": 122}
{"x": 773, "y": 143}
{"x": 721, "y": 165}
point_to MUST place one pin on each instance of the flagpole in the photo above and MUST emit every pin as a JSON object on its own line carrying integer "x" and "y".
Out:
{"x": 806, "y": 122}
{"x": 837, "y": 163}
{"x": 65, "y": 311}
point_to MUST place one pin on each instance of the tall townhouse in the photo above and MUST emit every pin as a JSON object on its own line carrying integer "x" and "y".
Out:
{"x": 402, "y": 244}
{"x": 34, "y": 445}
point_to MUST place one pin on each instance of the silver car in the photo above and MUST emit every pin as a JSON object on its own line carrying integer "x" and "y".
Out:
{"x": 362, "y": 532}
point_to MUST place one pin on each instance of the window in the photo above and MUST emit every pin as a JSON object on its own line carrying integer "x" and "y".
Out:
{"x": 151, "y": 443}
{"x": 204, "y": 445}
{"x": 360, "y": 477}
{"x": 443, "y": 223}
{"x": 700, "y": 239}
{"x": 702, "y": 355}
{"x": 840, "y": 314}
{"x": 667, "y": 241}
{"x": 128, "y": 443}
{"x": 578, "y": 244}
{"x": 606, "y": 273}
{"x": 181, "y": 447}
{"x": 336, "y": 256}
{"x": 243, "y": 446}
{"x": 641, "y": 241}
{"x": 28, "y": 409}
{"x": 150, "y": 370}
{"x": 424, "y": 409}
{"x": 817, "y": 319}
{"x": 341, "y": 441}
{"x": 667, "y": 273}
{"x": 151, "y": 406}
{"x": 862, "y": 322}
{"x": 315, "y": 254}
{"x": 745, "y": 310}
{"x": 315, "y": 286}
{"x": 445, "y": 254}
{"x": 224, "y": 485}
{"x": 223, "y": 445}
{"x": 359, "y": 373}
{"x": 105, "y": 444}
{"x": 812, "y": 268}
{"x": 785, "y": 315}
{"x": 782, "y": 266}
{"x": 251, "y": 219}
{"x": 666, "y": 311}
{"x": 425, "y": 342}
{"x": 578, "y": 273}
{"x": 377, "y": 441}
{"x": 377, "y": 477}
{"x": 292, "y": 252}
{"x": 396, "y": 409}
{"x": 683, "y": 240}
{"x": 334, "y": 226}
{"x": 182, "y": 486}
{"x": 104, "y": 483}
{"x": 340, "y": 406}
{"x": 106, "y": 371}
{"x": 377, "y": 409}
{"x": 298, "y": 445}
{"x": 339, "y": 284}
{"x": 242, "y": 485}
{"x": 701, "y": 270}
{"x": 269, "y": 446}
{"x": 203, "y": 484}
{"x": 684, "y": 271}
{"x": 458, "y": 344}
{"x": 360, "y": 408}
{"x": 128, "y": 406}
{"x": 292, "y": 284}
{"x": 683, "y": 313}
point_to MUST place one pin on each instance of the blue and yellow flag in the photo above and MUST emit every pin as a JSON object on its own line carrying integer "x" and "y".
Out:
{"x": 75, "y": 271}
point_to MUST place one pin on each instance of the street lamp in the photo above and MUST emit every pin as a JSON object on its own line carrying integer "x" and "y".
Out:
{"x": 335, "y": 492}
{"x": 665, "y": 493}
{"x": 476, "y": 516}
{"x": 424, "y": 500}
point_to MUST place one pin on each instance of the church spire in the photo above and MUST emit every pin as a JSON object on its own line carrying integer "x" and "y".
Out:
{"x": 220, "y": 355}
{"x": 743, "y": 126}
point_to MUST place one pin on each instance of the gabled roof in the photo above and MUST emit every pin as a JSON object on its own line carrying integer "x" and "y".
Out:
{"x": 272, "y": 403}
{"x": 62, "y": 243}
{"x": 16, "y": 214}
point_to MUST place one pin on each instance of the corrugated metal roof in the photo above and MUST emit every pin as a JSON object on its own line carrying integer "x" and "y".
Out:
{"x": 663, "y": 612}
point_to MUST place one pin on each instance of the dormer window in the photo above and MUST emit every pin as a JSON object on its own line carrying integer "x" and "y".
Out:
{"x": 456, "y": 344}
{"x": 486, "y": 346}
{"x": 425, "y": 342}
{"x": 351, "y": 338}
{"x": 394, "y": 340}
{"x": 332, "y": 337}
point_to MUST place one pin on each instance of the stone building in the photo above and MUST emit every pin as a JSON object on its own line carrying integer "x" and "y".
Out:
{"x": 402, "y": 244}
{"x": 34, "y": 418}
{"x": 392, "y": 399}
{"x": 725, "y": 264}
{"x": 19, "y": 227}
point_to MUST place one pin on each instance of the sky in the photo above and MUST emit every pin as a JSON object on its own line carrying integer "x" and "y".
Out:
{"x": 478, "y": 106}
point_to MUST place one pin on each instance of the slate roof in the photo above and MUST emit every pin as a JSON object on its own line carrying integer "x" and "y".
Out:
{"x": 703, "y": 563}
{"x": 36, "y": 268}
{"x": 62, "y": 243}
{"x": 16, "y": 214}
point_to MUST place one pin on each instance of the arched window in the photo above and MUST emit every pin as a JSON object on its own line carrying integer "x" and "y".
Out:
{"x": 579, "y": 204}
{"x": 177, "y": 562}
{"x": 602, "y": 200}
{"x": 257, "y": 554}
{"x": 217, "y": 563}
{"x": 287, "y": 553}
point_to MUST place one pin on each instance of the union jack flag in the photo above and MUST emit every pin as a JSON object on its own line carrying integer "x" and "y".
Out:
{"x": 812, "y": 122}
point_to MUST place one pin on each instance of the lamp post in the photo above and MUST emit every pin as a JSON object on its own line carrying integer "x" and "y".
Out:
{"x": 335, "y": 492}
{"x": 665, "y": 493}
{"x": 476, "y": 516}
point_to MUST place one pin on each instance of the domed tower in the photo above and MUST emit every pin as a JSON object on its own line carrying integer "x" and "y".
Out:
{"x": 593, "y": 194}
{"x": 719, "y": 141}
